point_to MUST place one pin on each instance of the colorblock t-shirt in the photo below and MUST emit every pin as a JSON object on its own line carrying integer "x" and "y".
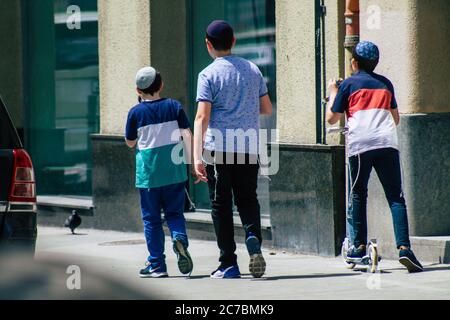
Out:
{"x": 156, "y": 125}
{"x": 367, "y": 99}
{"x": 234, "y": 87}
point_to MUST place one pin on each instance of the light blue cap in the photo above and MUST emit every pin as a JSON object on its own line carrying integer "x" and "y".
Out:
{"x": 145, "y": 77}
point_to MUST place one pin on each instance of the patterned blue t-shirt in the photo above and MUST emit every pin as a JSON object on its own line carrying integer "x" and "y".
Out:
{"x": 234, "y": 87}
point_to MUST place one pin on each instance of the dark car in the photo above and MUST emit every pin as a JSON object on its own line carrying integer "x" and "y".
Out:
{"x": 18, "y": 228}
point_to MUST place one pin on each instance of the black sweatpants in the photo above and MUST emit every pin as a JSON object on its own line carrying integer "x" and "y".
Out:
{"x": 239, "y": 182}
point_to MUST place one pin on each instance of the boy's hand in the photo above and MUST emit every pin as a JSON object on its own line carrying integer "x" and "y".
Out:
{"x": 333, "y": 86}
{"x": 194, "y": 175}
{"x": 200, "y": 173}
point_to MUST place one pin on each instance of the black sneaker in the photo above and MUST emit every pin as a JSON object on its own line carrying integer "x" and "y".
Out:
{"x": 409, "y": 260}
{"x": 356, "y": 253}
{"x": 257, "y": 264}
{"x": 185, "y": 264}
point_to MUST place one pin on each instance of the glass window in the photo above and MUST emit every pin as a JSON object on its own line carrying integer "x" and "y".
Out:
{"x": 254, "y": 25}
{"x": 8, "y": 135}
{"x": 66, "y": 69}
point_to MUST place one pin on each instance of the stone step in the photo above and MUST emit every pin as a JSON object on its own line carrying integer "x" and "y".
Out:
{"x": 200, "y": 226}
{"x": 65, "y": 204}
{"x": 432, "y": 249}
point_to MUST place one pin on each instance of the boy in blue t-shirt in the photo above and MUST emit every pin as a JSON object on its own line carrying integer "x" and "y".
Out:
{"x": 155, "y": 126}
{"x": 231, "y": 95}
{"x": 368, "y": 99}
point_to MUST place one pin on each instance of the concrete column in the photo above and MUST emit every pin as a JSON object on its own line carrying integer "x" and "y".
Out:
{"x": 308, "y": 189}
{"x": 168, "y": 43}
{"x": 295, "y": 71}
{"x": 132, "y": 34}
{"x": 124, "y": 47}
{"x": 296, "y": 65}
{"x": 413, "y": 39}
{"x": 431, "y": 82}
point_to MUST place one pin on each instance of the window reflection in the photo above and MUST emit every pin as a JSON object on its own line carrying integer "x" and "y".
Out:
{"x": 76, "y": 92}
{"x": 76, "y": 109}
{"x": 254, "y": 25}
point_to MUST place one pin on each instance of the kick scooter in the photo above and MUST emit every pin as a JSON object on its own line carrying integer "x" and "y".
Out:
{"x": 372, "y": 257}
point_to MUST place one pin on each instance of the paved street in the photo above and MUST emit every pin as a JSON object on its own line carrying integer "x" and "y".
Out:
{"x": 120, "y": 256}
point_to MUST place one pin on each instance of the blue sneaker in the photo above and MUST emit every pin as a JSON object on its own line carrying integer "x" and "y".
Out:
{"x": 185, "y": 264}
{"x": 356, "y": 253}
{"x": 226, "y": 272}
{"x": 153, "y": 271}
{"x": 409, "y": 260}
{"x": 257, "y": 265}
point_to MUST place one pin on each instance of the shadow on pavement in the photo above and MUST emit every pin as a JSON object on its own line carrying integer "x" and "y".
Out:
{"x": 247, "y": 277}
{"x": 189, "y": 278}
{"x": 428, "y": 268}
{"x": 310, "y": 276}
{"x": 436, "y": 268}
{"x": 366, "y": 270}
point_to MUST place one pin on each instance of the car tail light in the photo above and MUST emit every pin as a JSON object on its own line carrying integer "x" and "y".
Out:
{"x": 23, "y": 186}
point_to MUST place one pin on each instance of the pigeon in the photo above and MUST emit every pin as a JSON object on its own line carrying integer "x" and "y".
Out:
{"x": 73, "y": 221}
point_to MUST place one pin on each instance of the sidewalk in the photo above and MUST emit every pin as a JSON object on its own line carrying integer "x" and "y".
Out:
{"x": 288, "y": 276}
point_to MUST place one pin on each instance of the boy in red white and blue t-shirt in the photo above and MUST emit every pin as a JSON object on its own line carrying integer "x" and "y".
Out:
{"x": 368, "y": 99}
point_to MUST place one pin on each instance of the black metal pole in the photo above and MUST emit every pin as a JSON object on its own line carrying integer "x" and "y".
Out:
{"x": 324, "y": 73}
{"x": 318, "y": 62}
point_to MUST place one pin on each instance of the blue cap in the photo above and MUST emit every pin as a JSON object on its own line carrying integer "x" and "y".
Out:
{"x": 219, "y": 29}
{"x": 368, "y": 50}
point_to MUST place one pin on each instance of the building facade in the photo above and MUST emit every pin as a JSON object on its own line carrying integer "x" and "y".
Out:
{"x": 69, "y": 87}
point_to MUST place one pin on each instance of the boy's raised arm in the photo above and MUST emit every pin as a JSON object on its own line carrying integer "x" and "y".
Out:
{"x": 332, "y": 117}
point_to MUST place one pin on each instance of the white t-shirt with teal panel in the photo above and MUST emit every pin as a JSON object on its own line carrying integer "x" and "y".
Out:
{"x": 156, "y": 125}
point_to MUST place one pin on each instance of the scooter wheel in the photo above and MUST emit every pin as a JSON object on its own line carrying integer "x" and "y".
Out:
{"x": 373, "y": 253}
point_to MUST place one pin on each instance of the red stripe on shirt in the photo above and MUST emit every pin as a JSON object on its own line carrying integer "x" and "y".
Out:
{"x": 366, "y": 99}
